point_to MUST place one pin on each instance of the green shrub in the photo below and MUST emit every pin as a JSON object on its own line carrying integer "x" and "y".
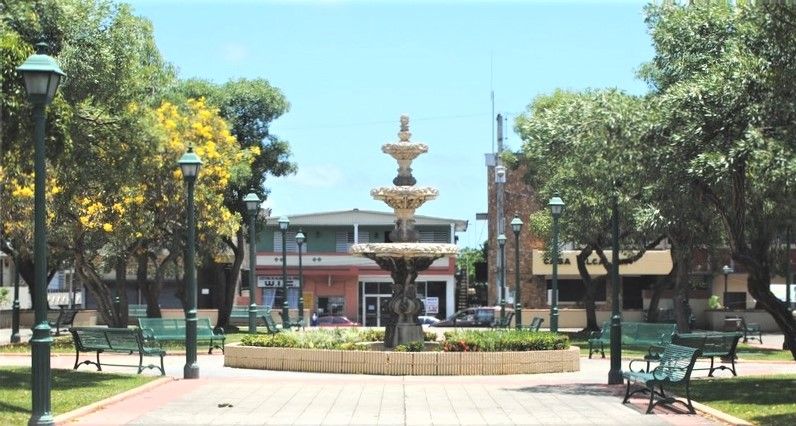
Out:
{"x": 415, "y": 346}
{"x": 429, "y": 336}
{"x": 504, "y": 340}
{"x": 455, "y": 341}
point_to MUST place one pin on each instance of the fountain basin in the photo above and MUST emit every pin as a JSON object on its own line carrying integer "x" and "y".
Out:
{"x": 404, "y": 250}
{"x": 402, "y": 363}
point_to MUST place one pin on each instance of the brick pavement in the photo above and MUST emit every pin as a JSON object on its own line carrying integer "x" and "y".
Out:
{"x": 239, "y": 396}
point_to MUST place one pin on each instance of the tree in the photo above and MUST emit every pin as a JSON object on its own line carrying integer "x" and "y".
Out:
{"x": 566, "y": 130}
{"x": 720, "y": 72}
{"x": 249, "y": 106}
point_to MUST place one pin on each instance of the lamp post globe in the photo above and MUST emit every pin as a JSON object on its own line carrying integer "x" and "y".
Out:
{"x": 556, "y": 205}
{"x": 284, "y": 223}
{"x": 189, "y": 165}
{"x": 300, "y": 238}
{"x": 516, "y": 227}
{"x": 727, "y": 270}
{"x": 42, "y": 77}
{"x": 252, "y": 202}
{"x": 501, "y": 239}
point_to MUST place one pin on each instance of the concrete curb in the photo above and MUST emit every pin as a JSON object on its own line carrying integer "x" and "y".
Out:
{"x": 724, "y": 417}
{"x": 82, "y": 411}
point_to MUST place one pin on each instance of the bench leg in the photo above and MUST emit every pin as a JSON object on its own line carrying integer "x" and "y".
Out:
{"x": 710, "y": 373}
{"x": 162, "y": 370}
{"x": 77, "y": 358}
{"x": 99, "y": 366}
{"x": 652, "y": 396}
{"x": 140, "y": 362}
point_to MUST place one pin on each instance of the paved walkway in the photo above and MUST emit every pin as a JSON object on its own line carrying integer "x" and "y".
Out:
{"x": 239, "y": 396}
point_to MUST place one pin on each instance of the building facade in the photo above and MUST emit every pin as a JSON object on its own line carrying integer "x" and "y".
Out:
{"x": 337, "y": 283}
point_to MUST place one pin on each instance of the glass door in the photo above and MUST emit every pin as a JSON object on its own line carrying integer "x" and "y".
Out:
{"x": 372, "y": 310}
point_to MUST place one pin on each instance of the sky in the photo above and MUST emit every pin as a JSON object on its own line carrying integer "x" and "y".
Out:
{"x": 350, "y": 69}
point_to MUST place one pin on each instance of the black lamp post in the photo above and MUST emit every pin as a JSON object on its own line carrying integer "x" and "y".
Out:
{"x": 501, "y": 239}
{"x": 283, "y": 225}
{"x": 727, "y": 271}
{"x": 615, "y": 373}
{"x": 556, "y": 205}
{"x": 516, "y": 226}
{"x": 252, "y": 206}
{"x": 190, "y": 163}
{"x": 42, "y": 76}
{"x": 300, "y": 238}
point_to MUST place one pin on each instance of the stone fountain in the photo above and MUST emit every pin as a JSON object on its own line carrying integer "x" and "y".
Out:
{"x": 404, "y": 257}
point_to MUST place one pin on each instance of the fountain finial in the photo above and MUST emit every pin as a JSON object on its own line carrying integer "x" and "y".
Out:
{"x": 404, "y": 135}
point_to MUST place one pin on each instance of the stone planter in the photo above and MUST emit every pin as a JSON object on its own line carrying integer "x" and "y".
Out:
{"x": 402, "y": 363}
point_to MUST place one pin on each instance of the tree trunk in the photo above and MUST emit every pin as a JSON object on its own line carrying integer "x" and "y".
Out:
{"x": 681, "y": 286}
{"x": 758, "y": 282}
{"x": 232, "y": 280}
{"x": 121, "y": 292}
{"x": 152, "y": 288}
{"x": 658, "y": 286}
{"x": 588, "y": 295}
{"x": 92, "y": 282}
{"x": 142, "y": 273}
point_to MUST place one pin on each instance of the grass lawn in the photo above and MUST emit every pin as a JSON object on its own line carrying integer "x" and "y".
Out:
{"x": 70, "y": 390}
{"x": 764, "y": 400}
{"x": 744, "y": 352}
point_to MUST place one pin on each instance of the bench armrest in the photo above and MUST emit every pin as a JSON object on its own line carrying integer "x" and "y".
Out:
{"x": 595, "y": 334}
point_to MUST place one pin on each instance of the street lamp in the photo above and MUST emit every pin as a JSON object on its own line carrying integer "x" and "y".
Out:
{"x": 501, "y": 239}
{"x": 727, "y": 271}
{"x": 516, "y": 226}
{"x": 42, "y": 76}
{"x": 556, "y": 205}
{"x": 300, "y": 241}
{"x": 190, "y": 163}
{"x": 615, "y": 373}
{"x": 283, "y": 225}
{"x": 252, "y": 206}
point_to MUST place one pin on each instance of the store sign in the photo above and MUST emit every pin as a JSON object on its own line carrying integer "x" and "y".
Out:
{"x": 276, "y": 282}
{"x": 653, "y": 262}
{"x": 432, "y": 305}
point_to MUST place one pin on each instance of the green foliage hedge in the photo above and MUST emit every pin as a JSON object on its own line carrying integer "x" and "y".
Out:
{"x": 455, "y": 341}
{"x": 502, "y": 340}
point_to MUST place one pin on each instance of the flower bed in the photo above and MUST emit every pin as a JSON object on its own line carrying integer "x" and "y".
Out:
{"x": 463, "y": 353}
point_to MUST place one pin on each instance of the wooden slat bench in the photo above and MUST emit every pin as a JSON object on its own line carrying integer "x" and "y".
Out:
{"x": 164, "y": 329}
{"x": 270, "y": 325}
{"x": 712, "y": 345}
{"x": 674, "y": 367}
{"x": 635, "y": 335}
{"x": 120, "y": 340}
{"x": 240, "y": 313}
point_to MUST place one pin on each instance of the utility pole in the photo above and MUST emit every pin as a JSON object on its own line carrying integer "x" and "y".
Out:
{"x": 500, "y": 180}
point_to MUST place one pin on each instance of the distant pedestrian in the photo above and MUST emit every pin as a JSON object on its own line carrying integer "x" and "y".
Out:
{"x": 314, "y": 319}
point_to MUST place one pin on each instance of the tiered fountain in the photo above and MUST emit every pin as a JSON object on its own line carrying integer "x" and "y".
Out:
{"x": 404, "y": 257}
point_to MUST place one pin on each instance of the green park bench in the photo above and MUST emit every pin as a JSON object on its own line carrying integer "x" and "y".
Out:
{"x": 270, "y": 324}
{"x": 712, "y": 345}
{"x": 64, "y": 318}
{"x": 635, "y": 335}
{"x": 674, "y": 367}
{"x": 121, "y": 340}
{"x": 536, "y": 322}
{"x": 240, "y": 313}
{"x": 164, "y": 329}
{"x": 751, "y": 329}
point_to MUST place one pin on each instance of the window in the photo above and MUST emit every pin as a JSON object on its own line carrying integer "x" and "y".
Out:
{"x": 291, "y": 246}
{"x": 272, "y": 297}
{"x": 572, "y": 291}
{"x": 332, "y": 305}
{"x": 435, "y": 236}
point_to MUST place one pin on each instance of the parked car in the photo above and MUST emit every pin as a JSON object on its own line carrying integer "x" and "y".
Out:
{"x": 427, "y": 320}
{"x": 484, "y": 316}
{"x": 336, "y": 321}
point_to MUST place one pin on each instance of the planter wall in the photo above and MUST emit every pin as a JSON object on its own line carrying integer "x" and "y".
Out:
{"x": 402, "y": 363}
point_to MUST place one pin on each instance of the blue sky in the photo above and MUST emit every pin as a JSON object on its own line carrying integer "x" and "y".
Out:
{"x": 350, "y": 69}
